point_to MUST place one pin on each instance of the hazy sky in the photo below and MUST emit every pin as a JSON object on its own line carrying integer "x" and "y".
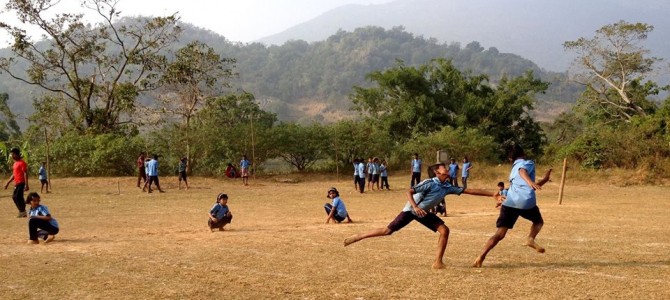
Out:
{"x": 237, "y": 20}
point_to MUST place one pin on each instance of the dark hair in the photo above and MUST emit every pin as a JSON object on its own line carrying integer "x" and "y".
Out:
{"x": 416, "y": 154}
{"x": 15, "y": 151}
{"x": 501, "y": 184}
{"x": 155, "y": 156}
{"x": 515, "y": 151}
{"x": 333, "y": 189}
{"x": 221, "y": 196}
{"x": 31, "y": 196}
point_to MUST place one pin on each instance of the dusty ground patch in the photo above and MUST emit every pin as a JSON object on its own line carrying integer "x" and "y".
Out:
{"x": 604, "y": 242}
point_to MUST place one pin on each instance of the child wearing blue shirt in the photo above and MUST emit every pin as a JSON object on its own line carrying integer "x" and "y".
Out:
{"x": 421, "y": 198}
{"x": 465, "y": 172}
{"x": 453, "y": 172}
{"x": 416, "y": 170}
{"x": 520, "y": 202}
{"x": 336, "y": 211}
{"x": 219, "y": 215}
{"x": 383, "y": 172}
{"x": 244, "y": 169}
{"x": 40, "y": 222}
{"x": 502, "y": 191}
{"x": 43, "y": 178}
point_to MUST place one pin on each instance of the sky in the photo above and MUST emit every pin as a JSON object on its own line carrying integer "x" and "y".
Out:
{"x": 237, "y": 20}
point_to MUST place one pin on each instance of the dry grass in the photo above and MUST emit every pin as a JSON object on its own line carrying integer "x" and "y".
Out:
{"x": 604, "y": 242}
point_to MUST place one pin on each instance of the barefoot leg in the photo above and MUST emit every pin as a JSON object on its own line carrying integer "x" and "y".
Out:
{"x": 373, "y": 233}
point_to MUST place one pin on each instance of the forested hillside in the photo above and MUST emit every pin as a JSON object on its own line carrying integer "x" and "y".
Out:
{"x": 303, "y": 81}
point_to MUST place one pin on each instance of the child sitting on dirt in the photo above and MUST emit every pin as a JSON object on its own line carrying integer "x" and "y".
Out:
{"x": 219, "y": 215}
{"x": 336, "y": 211}
{"x": 40, "y": 224}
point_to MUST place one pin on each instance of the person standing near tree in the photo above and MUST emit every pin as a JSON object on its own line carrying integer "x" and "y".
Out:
{"x": 244, "y": 169}
{"x": 141, "y": 171}
{"x": 183, "y": 164}
{"x": 465, "y": 172}
{"x": 416, "y": 170}
{"x": 152, "y": 172}
{"x": 453, "y": 172}
{"x": 20, "y": 179}
{"x": 43, "y": 177}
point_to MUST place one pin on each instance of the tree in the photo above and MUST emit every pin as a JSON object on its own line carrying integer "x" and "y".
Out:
{"x": 614, "y": 66}
{"x": 300, "y": 146}
{"x": 197, "y": 74}
{"x": 8, "y": 126}
{"x": 96, "y": 71}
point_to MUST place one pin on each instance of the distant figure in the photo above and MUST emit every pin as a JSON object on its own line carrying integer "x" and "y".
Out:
{"x": 183, "y": 164}
{"x": 520, "y": 202}
{"x": 336, "y": 211}
{"x": 502, "y": 191}
{"x": 141, "y": 171}
{"x": 20, "y": 179}
{"x": 219, "y": 215}
{"x": 361, "y": 175}
{"x": 369, "y": 171}
{"x": 244, "y": 168}
{"x": 231, "y": 172}
{"x": 383, "y": 168}
{"x": 465, "y": 172}
{"x": 43, "y": 177}
{"x": 355, "y": 163}
{"x": 453, "y": 173}
{"x": 41, "y": 224}
{"x": 152, "y": 172}
{"x": 416, "y": 170}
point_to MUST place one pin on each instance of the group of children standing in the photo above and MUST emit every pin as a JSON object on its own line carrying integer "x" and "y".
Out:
{"x": 375, "y": 171}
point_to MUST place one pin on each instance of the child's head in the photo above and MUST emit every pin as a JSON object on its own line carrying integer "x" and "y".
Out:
{"x": 416, "y": 155}
{"x": 183, "y": 158}
{"x": 16, "y": 153}
{"x": 453, "y": 160}
{"x": 383, "y": 162}
{"x": 515, "y": 152}
{"x": 465, "y": 159}
{"x": 438, "y": 170}
{"x": 33, "y": 199}
{"x": 156, "y": 156}
{"x": 44, "y": 163}
{"x": 501, "y": 185}
{"x": 222, "y": 198}
{"x": 332, "y": 193}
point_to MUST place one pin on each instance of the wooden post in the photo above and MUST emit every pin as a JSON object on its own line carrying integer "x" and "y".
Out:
{"x": 560, "y": 190}
{"x": 46, "y": 139}
{"x": 118, "y": 185}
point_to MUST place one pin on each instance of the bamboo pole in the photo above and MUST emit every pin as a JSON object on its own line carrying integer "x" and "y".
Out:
{"x": 560, "y": 191}
{"x": 46, "y": 139}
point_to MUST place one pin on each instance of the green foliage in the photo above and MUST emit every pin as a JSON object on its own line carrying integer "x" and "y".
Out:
{"x": 460, "y": 142}
{"x": 97, "y": 72}
{"x": 301, "y": 146}
{"x": 614, "y": 66}
{"x": 100, "y": 155}
{"x": 9, "y": 129}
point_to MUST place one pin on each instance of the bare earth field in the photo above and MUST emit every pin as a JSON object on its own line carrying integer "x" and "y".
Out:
{"x": 603, "y": 242}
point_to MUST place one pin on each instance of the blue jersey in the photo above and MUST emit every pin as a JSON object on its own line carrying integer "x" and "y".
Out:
{"x": 430, "y": 192}
{"x": 152, "y": 168}
{"x": 521, "y": 195}
{"x": 383, "y": 171}
{"x": 219, "y": 211}
{"x": 466, "y": 169}
{"x": 339, "y": 207}
{"x": 416, "y": 166}
{"x": 453, "y": 170}
{"x": 42, "y": 173}
{"x": 42, "y": 210}
{"x": 244, "y": 164}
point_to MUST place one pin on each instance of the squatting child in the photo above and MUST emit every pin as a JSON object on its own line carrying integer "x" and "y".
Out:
{"x": 219, "y": 215}
{"x": 40, "y": 223}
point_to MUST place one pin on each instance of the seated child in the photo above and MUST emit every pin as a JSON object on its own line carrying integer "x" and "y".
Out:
{"x": 502, "y": 191}
{"x": 219, "y": 215}
{"x": 40, "y": 224}
{"x": 336, "y": 211}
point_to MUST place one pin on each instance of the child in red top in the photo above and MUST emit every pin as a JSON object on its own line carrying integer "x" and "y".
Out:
{"x": 20, "y": 178}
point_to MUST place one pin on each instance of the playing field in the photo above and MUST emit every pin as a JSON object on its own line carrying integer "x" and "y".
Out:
{"x": 603, "y": 242}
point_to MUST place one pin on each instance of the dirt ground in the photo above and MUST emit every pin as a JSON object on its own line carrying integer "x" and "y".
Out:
{"x": 603, "y": 242}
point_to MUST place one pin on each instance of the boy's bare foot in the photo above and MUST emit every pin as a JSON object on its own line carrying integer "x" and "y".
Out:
{"x": 50, "y": 238}
{"x": 350, "y": 240}
{"x": 478, "y": 262}
{"x": 33, "y": 242}
{"x": 531, "y": 243}
{"x": 438, "y": 265}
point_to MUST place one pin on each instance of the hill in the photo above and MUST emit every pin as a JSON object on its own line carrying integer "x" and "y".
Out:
{"x": 534, "y": 29}
{"x": 306, "y": 82}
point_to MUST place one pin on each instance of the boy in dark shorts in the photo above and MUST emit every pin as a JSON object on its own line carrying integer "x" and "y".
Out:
{"x": 520, "y": 202}
{"x": 421, "y": 198}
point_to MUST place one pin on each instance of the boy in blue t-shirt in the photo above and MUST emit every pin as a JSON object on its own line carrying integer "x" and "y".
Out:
{"x": 453, "y": 172}
{"x": 520, "y": 202}
{"x": 219, "y": 215}
{"x": 421, "y": 198}
{"x": 43, "y": 178}
{"x": 502, "y": 191}
{"x": 336, "y": 211}
{"x": 465, "y": 172}
{"x": 41, "y": 223}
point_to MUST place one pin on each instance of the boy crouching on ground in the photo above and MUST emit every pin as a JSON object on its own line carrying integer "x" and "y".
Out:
{"x": 219, "y": 215}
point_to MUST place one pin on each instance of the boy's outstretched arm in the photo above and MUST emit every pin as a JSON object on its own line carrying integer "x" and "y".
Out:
{"x": 545, "y": 179}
